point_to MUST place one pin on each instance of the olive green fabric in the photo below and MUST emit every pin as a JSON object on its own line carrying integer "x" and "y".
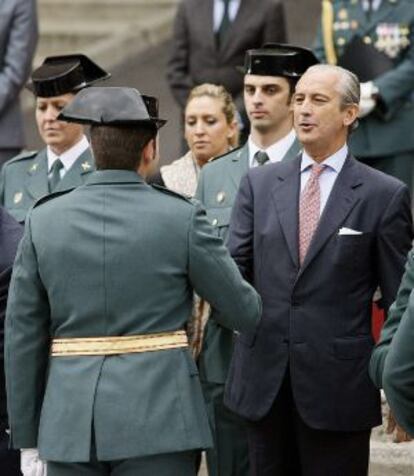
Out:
{"x": 392, "y": 361}
{"x": 132, "y": 256}
{"x": 24, "y": 180}
{"x": 179, "y": 464}
{"x": 387, "y": 132}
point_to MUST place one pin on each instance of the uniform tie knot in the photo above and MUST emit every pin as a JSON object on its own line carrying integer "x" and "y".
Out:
{"x": 261, "y": 157}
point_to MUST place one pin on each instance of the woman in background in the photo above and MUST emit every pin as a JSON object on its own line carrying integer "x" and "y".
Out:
{"x": 210, "y": 129}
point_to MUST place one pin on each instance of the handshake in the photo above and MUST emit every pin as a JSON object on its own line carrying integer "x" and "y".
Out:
{"x": 31, "y": 464}
{"x": 369, "y": 94}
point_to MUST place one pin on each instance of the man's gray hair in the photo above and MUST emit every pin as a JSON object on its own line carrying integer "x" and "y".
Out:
{"x": 348, "y": 85}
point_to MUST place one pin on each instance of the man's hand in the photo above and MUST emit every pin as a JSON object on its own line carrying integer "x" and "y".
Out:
{"x": 369, "y": 94}
{"x": 31, "y": 464}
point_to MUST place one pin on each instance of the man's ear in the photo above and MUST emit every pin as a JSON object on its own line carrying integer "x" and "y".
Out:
{"x": 149, "y": 152}
{"x": 351, "y": 114}
{"x": 149, "y": 156}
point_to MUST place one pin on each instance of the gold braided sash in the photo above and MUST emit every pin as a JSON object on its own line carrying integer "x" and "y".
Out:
{"x": 327, "y": 31}
{"x": 118, "y": 345}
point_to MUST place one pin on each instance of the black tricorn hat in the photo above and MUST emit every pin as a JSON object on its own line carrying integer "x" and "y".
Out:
{"x": 64, "y": 74}
{"x": 277, "y": 59}
{"x": 112, "y": 106}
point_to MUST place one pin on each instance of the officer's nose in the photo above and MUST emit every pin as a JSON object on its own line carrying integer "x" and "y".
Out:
{"x": 50, "y": 114}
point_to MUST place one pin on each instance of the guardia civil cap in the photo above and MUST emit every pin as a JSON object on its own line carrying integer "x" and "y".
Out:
{"x": 64, "y": 74}
{"x": 114, "y": 106}
{"x": 277, "y": 59}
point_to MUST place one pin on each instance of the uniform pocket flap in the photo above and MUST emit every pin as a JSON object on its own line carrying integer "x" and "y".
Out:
{"x": 353, "y": 347}
{"x": 19, "y": 214}
{"x": 219, "y": 216}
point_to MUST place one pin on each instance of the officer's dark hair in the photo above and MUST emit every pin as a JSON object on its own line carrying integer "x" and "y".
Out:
{"x": 292, "y": 85}
{"x": 120, "y": 147}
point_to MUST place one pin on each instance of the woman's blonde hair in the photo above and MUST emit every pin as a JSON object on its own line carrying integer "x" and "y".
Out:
{"x": 229, "y": 109}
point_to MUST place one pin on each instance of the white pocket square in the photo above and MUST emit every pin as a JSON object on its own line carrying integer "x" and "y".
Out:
{"x": 348, "y": 231}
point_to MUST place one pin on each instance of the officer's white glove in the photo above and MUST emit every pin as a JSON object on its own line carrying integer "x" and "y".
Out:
{"x": 369, "y": 93}
{"x": 31, "y": 464}
{"x": 366, "y": 106}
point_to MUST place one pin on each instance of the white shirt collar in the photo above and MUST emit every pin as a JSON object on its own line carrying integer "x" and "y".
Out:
{"x": 276, "y": 151}
{"x": 234, "y": 6}
{"x": 375, "y": 4}
{"x": 335, "y": 162}
{"x": 68, "y": 157}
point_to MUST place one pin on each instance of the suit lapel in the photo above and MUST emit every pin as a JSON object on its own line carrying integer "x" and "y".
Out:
{"x": 37, "y": 180}
{"x": 341, "y": 201}
{"x": 239, "y": 165}
{"x": 294, "y": 151}
{"x": 76, "y": 175}
{"x": 286, "y": 198}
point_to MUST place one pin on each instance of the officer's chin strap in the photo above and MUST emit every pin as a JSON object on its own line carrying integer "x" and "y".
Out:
{"x": 327, "y": 31}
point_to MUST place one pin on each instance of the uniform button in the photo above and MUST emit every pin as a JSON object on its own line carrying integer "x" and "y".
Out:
{"x": 367, "y": 40}
{"x": 214, "y": 222}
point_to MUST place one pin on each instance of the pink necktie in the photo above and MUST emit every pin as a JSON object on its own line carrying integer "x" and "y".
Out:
{"x": 309, "y": 210}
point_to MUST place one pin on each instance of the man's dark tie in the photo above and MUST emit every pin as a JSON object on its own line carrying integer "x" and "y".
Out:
{"x": 225, "y": 23}
{"x": 370, "y": 6}
{"x": 54, "y": 179}
{"x": 261, "y": 157}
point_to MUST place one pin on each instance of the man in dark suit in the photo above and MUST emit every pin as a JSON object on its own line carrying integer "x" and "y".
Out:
{"x": 271, "y": 74}
{"x": 18, "y": 39}
{"x": 210, "y": 40}
{"x": 10, "y": 234}
{"x": 316, "y": 236}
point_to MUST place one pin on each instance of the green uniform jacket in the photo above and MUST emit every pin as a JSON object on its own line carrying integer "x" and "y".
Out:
{"x": 114, "y": 257}
{"x": 24, "y": 180}
{"x": 389, "y": 131}
{"x": 217, "y": 188}
{"x": 392, "y": 361}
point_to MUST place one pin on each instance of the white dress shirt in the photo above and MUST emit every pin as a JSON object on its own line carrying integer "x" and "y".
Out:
{"x": 68, "y": 158}
{"x": 333, "y": 165}
{"x": 276, "y": 151}
{"x": 218, "y": 12}
{"x": 375, "y": 5}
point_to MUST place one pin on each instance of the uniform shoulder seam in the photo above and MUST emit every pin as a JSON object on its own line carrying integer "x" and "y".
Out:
{"x": 173, "y": 193}
{"x": 23, "y": 156}
{"x": 51, "y": 196}
{"x": 230, "y": 152}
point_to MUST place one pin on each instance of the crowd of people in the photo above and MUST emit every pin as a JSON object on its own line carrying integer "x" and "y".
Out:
{"x": 223, "y": 302}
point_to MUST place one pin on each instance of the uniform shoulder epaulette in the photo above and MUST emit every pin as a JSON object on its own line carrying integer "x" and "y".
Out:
{"x": 51, "y": 196}
{"x": 171, "y": 192}
{"x": 230, "y": 152}
{"x": 28, "y": 154}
